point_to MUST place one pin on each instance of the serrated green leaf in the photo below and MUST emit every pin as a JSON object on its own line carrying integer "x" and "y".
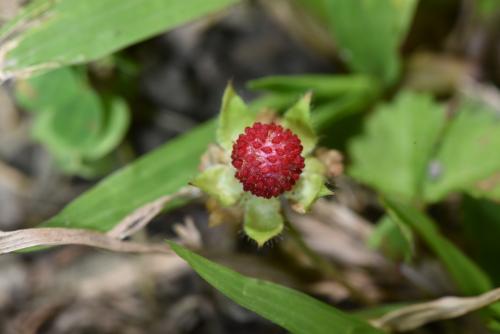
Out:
{"x": 291, "y": 309}
{"x": 263, "y": 220}
{"x": 298, "y": 119}
{"x": 468, "y": 153}
{"x": 50, "y": 34}
{"x": 234, "y": 117}
{"x": 219, "y": 181}
{"x": 469, "y": 278}
{"x": 309, "y": 187}
{"x": 393, "y": 152}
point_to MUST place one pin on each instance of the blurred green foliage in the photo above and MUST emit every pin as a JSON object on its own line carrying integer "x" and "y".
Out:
{"x": 394, "y": 238}
{"x": 76, "y": 125}
{"x": 335, "y": 97}
{"x": 50, "y": 34}
{"x": 470, "y": 279}
{"x": 426, "y": 157}
{"x": 368, "y": 33}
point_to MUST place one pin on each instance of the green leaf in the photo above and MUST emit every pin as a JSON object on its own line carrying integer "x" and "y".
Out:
{"x": 334, "y": 96}
{"x": 51, "y": 90}
{"x": 393, "y": 237}
{"x": 69, "y": 116}
{"x": 330, "y": 113}
{"x": 309, "y": 187}
{"x": 369, "y": 33}
{"x": 219, "y": 181}
{"x": 72, "y": 122}
{"x": 263, "y": 220}
{"x": 318, "y": 8}
{"x": 469, "y": 278}
{"x": 488, "y": 188}
{"x": 481, "y": 228}
{"x": 298, "y": 119}
{"x": 89, "y": 169}
{"x": 274, "y": 102}
{"x": 160, "y": 172}
{"x": 113, "y": 131}
{"x": 487, "y": 8}
{"x": 77, "y": 123}
{"x": 392, "y": 154}
{"x": 50, "y": 34}
{"x": 233, "y": 119}
{"x": 373, "y": 312}
{"x": 323, "y": 86}
{"x": 468, "y": 153}
{"x": 291, "y": 309}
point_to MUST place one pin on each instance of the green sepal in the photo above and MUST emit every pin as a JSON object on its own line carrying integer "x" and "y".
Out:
{"x": 309, "y": 187}
{"x": 219, "y": 181}
{"x": 298, "y": 119}
{"x": 263, "y": 220}
{"x": 325, "y": 191}
{"x": 233, "y": 119}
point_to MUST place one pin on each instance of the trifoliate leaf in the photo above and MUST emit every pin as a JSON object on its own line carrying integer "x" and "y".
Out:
{"x": 263, "y": 220}
{"x": 298, "y": 119}
{"x": 468, "y": 157}
{"x": 309, "y": 187}
{"x": 234, "y": 117}
{"x": 219, "y": 181}
{"x": 398, "y": 141}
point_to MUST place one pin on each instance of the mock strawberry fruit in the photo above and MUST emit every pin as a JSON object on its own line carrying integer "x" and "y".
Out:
{"x": 268, "y": 159}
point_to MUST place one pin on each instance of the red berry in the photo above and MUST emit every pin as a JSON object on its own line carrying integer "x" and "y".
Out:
{"x": 267, "y": 159}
